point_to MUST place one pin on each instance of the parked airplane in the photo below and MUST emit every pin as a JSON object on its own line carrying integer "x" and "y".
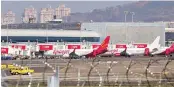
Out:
{"x": 130, "y": 51}
{"x": 142, "y": 51}
{"x": 167, "y": 51}
{"x": 78, "y": 53}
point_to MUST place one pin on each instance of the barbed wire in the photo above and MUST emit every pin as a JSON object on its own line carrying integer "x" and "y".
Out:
{"x": 126, "y": 74}
{"x": 164, "y": 70}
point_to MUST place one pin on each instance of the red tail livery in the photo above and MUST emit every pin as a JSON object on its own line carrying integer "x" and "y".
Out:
{"x": 101, "y": 49}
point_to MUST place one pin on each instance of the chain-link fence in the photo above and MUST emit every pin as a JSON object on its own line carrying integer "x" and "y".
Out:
{"x": 109, "y": 72}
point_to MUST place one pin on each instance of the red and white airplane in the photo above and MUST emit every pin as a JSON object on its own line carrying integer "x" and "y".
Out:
{"x": 167, "y": 51}
{"x": 142, "y": 51}
{"x": 123, "y": 50}
{"x": 78, "y": 53}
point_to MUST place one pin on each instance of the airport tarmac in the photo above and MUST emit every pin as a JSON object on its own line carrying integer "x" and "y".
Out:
{"x": 133, "y": 68}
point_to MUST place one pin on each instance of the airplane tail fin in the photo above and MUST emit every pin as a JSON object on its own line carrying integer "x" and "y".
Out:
{"x": 155, "y": 43}
{"x": 101, "y": 49}
{"x": 172, "y": 46}
{"x": 105, "y": 43}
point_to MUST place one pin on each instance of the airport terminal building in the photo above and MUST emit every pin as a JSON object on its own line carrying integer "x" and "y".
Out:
{"x": 40, "y": 35}
{"x": 120, "y": 32}
{"x": 128, "y": 32}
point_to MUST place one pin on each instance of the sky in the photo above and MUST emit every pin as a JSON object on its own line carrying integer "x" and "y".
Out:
{"x": 76, "y": 6}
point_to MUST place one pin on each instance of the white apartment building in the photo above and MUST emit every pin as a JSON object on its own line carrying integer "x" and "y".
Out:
{"x": 62, "y": 11}
{"x": 8, "y": 18}
{"x": 46, "y": 14}
{"x": 30, "y": 15}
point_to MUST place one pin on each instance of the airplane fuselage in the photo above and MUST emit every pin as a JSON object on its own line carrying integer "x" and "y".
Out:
{"x": 66, "y": 52}
{"x": 135, "y": 51}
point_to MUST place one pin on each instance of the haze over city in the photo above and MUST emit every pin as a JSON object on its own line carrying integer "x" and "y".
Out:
{"x": 76, "y": 6}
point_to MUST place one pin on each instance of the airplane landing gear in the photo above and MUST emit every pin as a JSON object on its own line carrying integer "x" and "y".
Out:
{"x": 128, "y": 56}
{"x": 151, "y": 55}
{"x": 166, "y": 56}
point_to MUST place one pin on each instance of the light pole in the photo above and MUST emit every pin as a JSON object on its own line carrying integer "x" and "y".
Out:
{"x": 125, "y": 15}
{"x": 80, "y": 35}
{"x": 46, "y": 28}
{"x": 47, "y": 32}
{"x": 37, "y": 41}
{"x": 7, "y": 32}
{"x": 133, "y": 13}
{"x": 22, "y": 19}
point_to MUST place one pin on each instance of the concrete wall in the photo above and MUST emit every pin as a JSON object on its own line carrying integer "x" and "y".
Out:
{"x": 128, "y": 32}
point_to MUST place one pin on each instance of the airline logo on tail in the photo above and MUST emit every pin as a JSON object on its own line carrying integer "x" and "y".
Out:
{"x": 105, "y": 43}
{"x": 102, "y": 48}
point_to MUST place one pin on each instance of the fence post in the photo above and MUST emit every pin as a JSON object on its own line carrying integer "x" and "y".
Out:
{"x": 78, "y": 84}
{"x": 121, "y": 83}
{"x": 100, "y": 81}
{"x": 38, "y": 84}
{"x": 139, "y": 82}
{"x": 160, "y": 80}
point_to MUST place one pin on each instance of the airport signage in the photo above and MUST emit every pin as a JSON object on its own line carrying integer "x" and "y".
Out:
{"x": 45, "y": 47}
{"x": 140, "y": 45}
{"x": 121, "y": 46}
{"x": 95, "y": 46}
{"x": 19, "y": 46}
{"x": 74, "y": 47}
{"x": 4, "y": 50}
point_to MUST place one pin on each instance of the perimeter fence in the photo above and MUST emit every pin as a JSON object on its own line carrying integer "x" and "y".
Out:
{"x": 101, "y": 72}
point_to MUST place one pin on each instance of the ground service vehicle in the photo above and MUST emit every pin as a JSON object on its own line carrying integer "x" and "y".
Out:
{"x": 21, "y": 71}
{"x": 10, "y": 66}
{"x": 3, "y": 66}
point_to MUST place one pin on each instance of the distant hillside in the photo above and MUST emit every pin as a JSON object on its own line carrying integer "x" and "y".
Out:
{"x": 147, "y": 11}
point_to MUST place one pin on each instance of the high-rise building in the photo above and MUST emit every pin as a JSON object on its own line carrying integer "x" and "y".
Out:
{"x": 30, "y": 15}
{"x": 8, "y": 18}
{"x": 62, "y": 11}
{"x": 46, "y": 14}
